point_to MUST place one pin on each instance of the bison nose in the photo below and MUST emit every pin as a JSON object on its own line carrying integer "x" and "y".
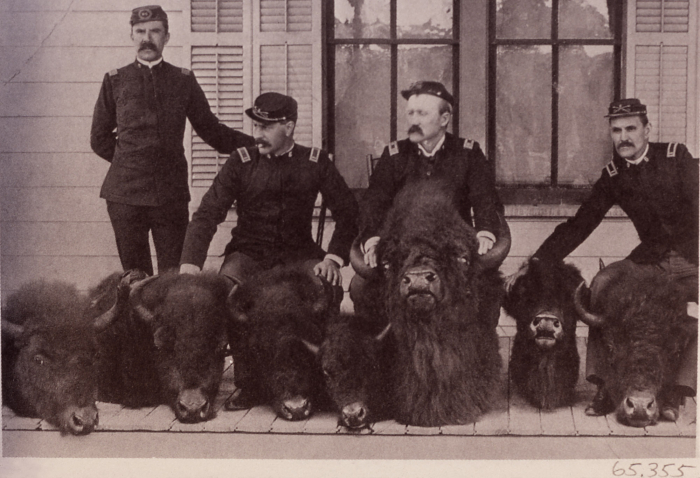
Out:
{"x": 82, "y": 421}
{"x": 354, "y": 415}
{"x": 639, "y": 409}
{"x": 297, "y": 408}
{"x": 192, "y": 406}
{"x": 418, "y": 280}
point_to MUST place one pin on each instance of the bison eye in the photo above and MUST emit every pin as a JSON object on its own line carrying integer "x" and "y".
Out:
{"x": 536, "y": 321}
{"x": 40, "y": 359}
{"x": 556, "y": 323}
{"x": 463, "y": 260}
{"x": 405, "y": 280}
{"x": 431, "y": 277}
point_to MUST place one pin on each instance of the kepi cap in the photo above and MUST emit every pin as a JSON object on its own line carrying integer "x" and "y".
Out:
{"x": 148, "y": 13}
{"x": 273, "y": 107}
{"x": 434, "y": 88}
{"x": 626, "y": 107}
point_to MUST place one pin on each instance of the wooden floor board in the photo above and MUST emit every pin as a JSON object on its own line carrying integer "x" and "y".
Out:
{"x": 322, "y": 422}
{"x": 257, "y": 420}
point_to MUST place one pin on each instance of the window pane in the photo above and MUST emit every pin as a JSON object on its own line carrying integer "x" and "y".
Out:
{"x": 361, "y": 19}
{"x": 421, "y": 62}
{"x": 424, "y": 18}
{"x": 362, "y": 109}
{"x": 584, "y": 19}
{"x": 523, "y": 19}
{"x": 523, "y": 114}
{"x": 585, "y": 91}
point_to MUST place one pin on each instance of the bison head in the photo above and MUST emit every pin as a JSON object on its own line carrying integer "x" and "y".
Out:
{"x": 353, "y": 360}
{"x": 49, "y": 354}
{"x": 541, "y": 301}
{"x": 641, "y": 319}
{"x": 278, "y": 322}
{"x": 186, "y": 315}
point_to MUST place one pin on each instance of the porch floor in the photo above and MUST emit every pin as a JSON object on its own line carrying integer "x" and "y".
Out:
{"x": 564, "y": 429}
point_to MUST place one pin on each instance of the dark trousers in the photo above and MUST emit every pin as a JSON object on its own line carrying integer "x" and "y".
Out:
{"x": 681, "y": 272}
{"x": 131, "y": 224}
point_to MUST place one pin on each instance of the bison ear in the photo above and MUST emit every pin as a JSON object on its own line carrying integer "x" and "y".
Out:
{"x": 163, "y": 337}
{"x": 12, "y": 330}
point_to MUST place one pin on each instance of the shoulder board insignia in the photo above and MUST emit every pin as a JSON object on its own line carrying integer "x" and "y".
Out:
{"x": 393, "y": 148}
{"x": 185, "y": 71}
{"x": 243, "y": 153}
{"x": 315, "y": 153}
{"x": 113, "y": 72}
{"x": 611, "y": 169}
{"x": 468, "y": 143}
{"x": 671, "y": 152}
{"x": 330, "y": 157}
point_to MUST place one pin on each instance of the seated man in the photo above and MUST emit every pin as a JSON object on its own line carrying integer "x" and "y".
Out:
{"x": 274, "y": 186}
{"x": 429, "y": 153}
{"x": 656, "y": 184}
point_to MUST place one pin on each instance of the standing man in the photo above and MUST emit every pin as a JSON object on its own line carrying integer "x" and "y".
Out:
{"x": 138, "y": 126}
{"x": 274, "y": 185}
{"x": 429, "y": 153}
{"x": 656, "y": 184}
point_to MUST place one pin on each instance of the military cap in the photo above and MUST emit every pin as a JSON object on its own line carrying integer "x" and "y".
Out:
{"x": 272, "y": 107}
{"x": 434, "y": 88}
{"x": 626, "y": 107}
{"x": 148, "y": 13}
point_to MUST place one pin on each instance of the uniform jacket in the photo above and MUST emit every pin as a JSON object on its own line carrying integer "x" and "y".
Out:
{"x": 659, "y": 195}
{"x": 138, "y": 125}
{"x": 460, "y": 162}
{"x": 275, "y": 199}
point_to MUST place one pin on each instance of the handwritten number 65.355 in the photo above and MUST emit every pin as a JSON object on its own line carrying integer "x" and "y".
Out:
{"x": 650, "y": 470}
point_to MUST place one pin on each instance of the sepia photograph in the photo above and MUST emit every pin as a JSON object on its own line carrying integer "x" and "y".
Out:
{"x": 349, "y": 237}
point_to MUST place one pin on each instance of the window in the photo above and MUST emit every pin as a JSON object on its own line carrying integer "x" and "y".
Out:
{"x": 377, "y": 48}
{"x": 554, "y": 66}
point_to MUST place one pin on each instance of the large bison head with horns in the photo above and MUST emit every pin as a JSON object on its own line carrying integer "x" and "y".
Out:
{"x": 50, "y": 353}
{"x": 642, "y": 319}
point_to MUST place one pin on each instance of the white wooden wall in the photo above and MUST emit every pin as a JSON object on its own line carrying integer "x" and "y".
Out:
{"x": 53, "y": 56}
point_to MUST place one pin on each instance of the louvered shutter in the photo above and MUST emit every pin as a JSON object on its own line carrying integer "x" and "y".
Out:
{"x": 662, "y": 56}
{"x": 217, "y": 15}
{"x": 289, "y": 45}
{"x": 219, "y": 71}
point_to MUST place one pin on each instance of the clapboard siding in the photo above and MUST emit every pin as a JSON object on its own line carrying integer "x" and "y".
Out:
{"x": 57, "y": 204}
{"x": 72, "y": 64}
{"x": 83, "y": 271}
{"x": 49, "y": 99}
{"x": 51, "y": 170}
{"x": 45, "y": 135}
{"x": 57, "y": 238}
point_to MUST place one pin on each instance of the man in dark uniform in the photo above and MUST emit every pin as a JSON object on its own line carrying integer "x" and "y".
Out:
{"x": 656, "y": 184}
{"x": 138, "y": 126}
{"x": 274, "y": 186}
{"x": 429, "y": 153}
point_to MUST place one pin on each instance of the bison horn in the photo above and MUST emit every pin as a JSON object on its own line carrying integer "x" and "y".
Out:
{"x": 105, "y": 320}
{"x": 500, "y": 249}
{"x": 312, "y": 348}
{"x": 382, "y": 335}
{"x": 601, "y": 264}
{"x": 135, "y": 297}
{"x": 13, "y": 330}
{"x": 587, "y": 317}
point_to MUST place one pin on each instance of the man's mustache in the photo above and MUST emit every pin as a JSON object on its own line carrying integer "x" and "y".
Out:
{"x": 625, "y": 143}
{"x": 415, "y": 129}
{"x": 261, "y": 143}
{"x": 148, "y": 46}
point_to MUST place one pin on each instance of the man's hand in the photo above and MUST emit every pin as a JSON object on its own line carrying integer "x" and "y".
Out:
{"x": 329, "y": 269}
{"x": 485, "y": 245}
{"x": 371, "y": 256}
{"x": 189, "y": 269}
{"x": 510, "y": 280}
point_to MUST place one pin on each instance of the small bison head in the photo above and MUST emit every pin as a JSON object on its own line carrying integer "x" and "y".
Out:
{"x": 278, "y": 322}
{"x": 541, "y": 301}
{"x": 49, "y": 353}
{"x": 354, "y": 361}
{"x": 642, "y": 321}
{"x": 186, "y": 315}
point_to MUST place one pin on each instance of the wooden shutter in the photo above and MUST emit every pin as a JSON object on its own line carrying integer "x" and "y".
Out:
{"x": 286, "y": 15}
{"x": 662, "y": 67}
{"x": 219, "y": 71}
{"x": 217, "y": 15}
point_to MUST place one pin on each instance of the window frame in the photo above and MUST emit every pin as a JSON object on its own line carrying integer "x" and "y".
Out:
{"x": 552, "y": 193}
{"x": 330, "y": 43}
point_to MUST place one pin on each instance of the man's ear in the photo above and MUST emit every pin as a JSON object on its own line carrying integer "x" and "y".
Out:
{"x": 289, "y": 127}
{"x": 167, "y": 38}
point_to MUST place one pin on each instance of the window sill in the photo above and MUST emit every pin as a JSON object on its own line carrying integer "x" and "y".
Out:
{"x": 553, "y": 211}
